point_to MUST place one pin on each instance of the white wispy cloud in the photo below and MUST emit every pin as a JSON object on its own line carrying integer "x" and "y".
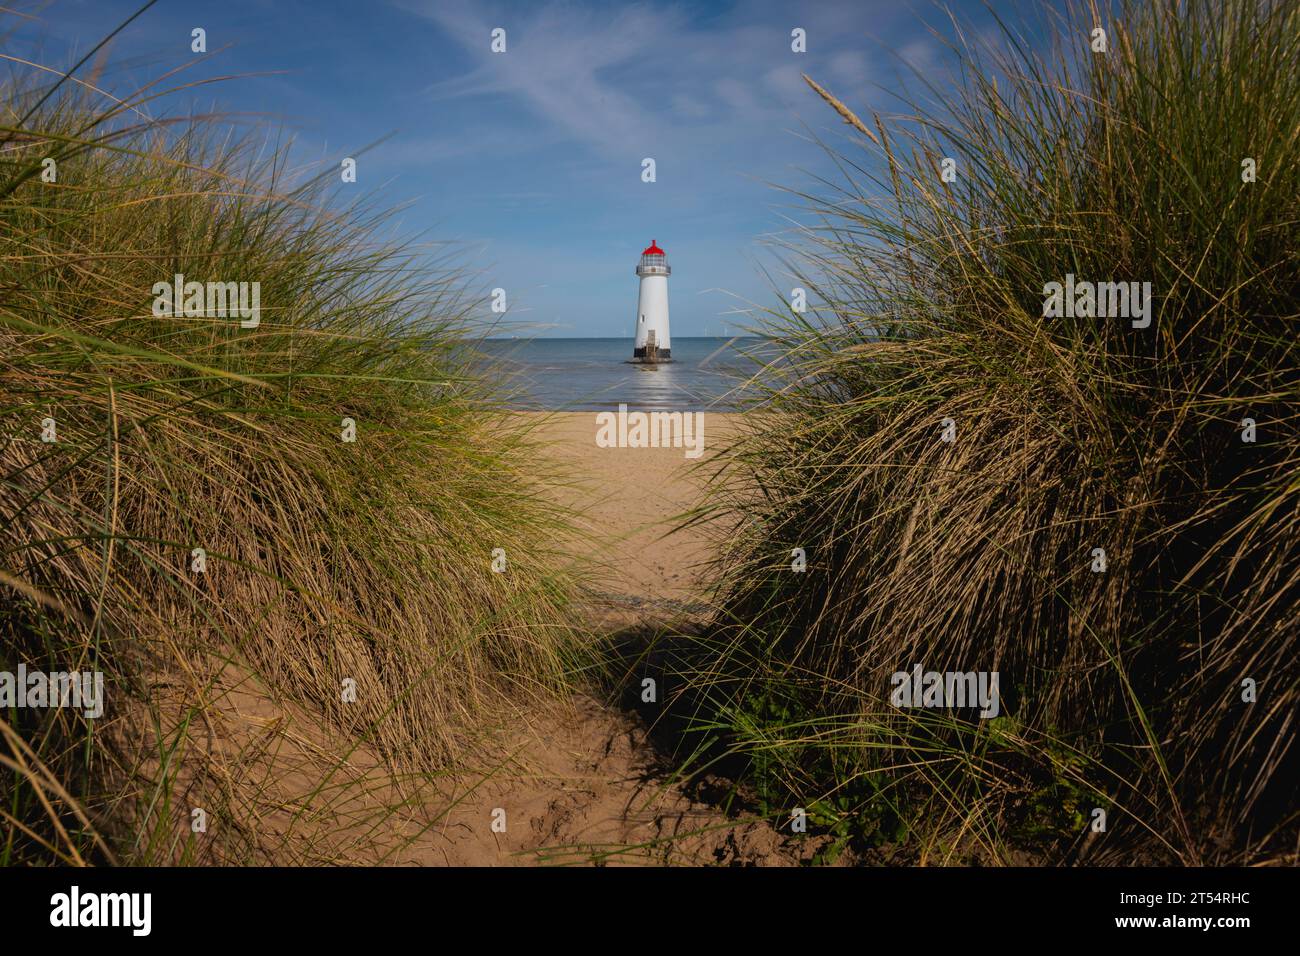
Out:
{"x": 557, "y": 60}
{"x": 624, "y": 81}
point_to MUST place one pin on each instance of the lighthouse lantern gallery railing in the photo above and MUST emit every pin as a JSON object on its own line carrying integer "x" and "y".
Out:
{"x": 654, "y": 265}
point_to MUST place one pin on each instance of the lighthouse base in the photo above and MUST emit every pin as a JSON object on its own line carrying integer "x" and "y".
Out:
{"x": 652, "y": 354}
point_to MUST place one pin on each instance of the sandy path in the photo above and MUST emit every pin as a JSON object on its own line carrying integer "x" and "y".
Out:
{"x": 586, "y": 782}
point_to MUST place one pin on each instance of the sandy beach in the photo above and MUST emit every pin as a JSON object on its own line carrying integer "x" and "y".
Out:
{"x": 630, "y": 498}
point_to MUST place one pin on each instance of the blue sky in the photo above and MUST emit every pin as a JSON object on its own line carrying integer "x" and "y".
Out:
{"x": 529, "y": 162}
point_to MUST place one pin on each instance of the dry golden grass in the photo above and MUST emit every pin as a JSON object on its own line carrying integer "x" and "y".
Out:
{"x": 326, "y": 561}
{"x": 1120, "y": 690}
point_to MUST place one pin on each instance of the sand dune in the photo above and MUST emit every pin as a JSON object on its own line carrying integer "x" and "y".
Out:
{"x": 577, "y": 784}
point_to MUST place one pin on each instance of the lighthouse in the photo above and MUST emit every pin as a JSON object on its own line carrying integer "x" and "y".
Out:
{"x": 652, "y": 342}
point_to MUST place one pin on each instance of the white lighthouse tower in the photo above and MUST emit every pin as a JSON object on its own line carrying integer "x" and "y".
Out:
{"x": 652, "y": 341}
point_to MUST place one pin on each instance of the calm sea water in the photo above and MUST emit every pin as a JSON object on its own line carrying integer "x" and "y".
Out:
{"x": 595, "y": 374}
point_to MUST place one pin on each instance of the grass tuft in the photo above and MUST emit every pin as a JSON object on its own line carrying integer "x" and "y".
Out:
{"x": 326, "y": 561}
{"x": 1120, "y": 690}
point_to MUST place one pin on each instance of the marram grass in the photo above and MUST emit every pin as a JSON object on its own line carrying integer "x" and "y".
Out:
{"x": 1162, "y": 691}
{"x": 353, "y": 578}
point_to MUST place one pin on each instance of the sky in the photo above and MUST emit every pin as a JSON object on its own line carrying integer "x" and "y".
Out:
{"x": 528, "y": 163}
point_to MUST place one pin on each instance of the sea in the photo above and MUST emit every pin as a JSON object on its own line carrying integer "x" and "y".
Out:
{"x": 706, "y": 373}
